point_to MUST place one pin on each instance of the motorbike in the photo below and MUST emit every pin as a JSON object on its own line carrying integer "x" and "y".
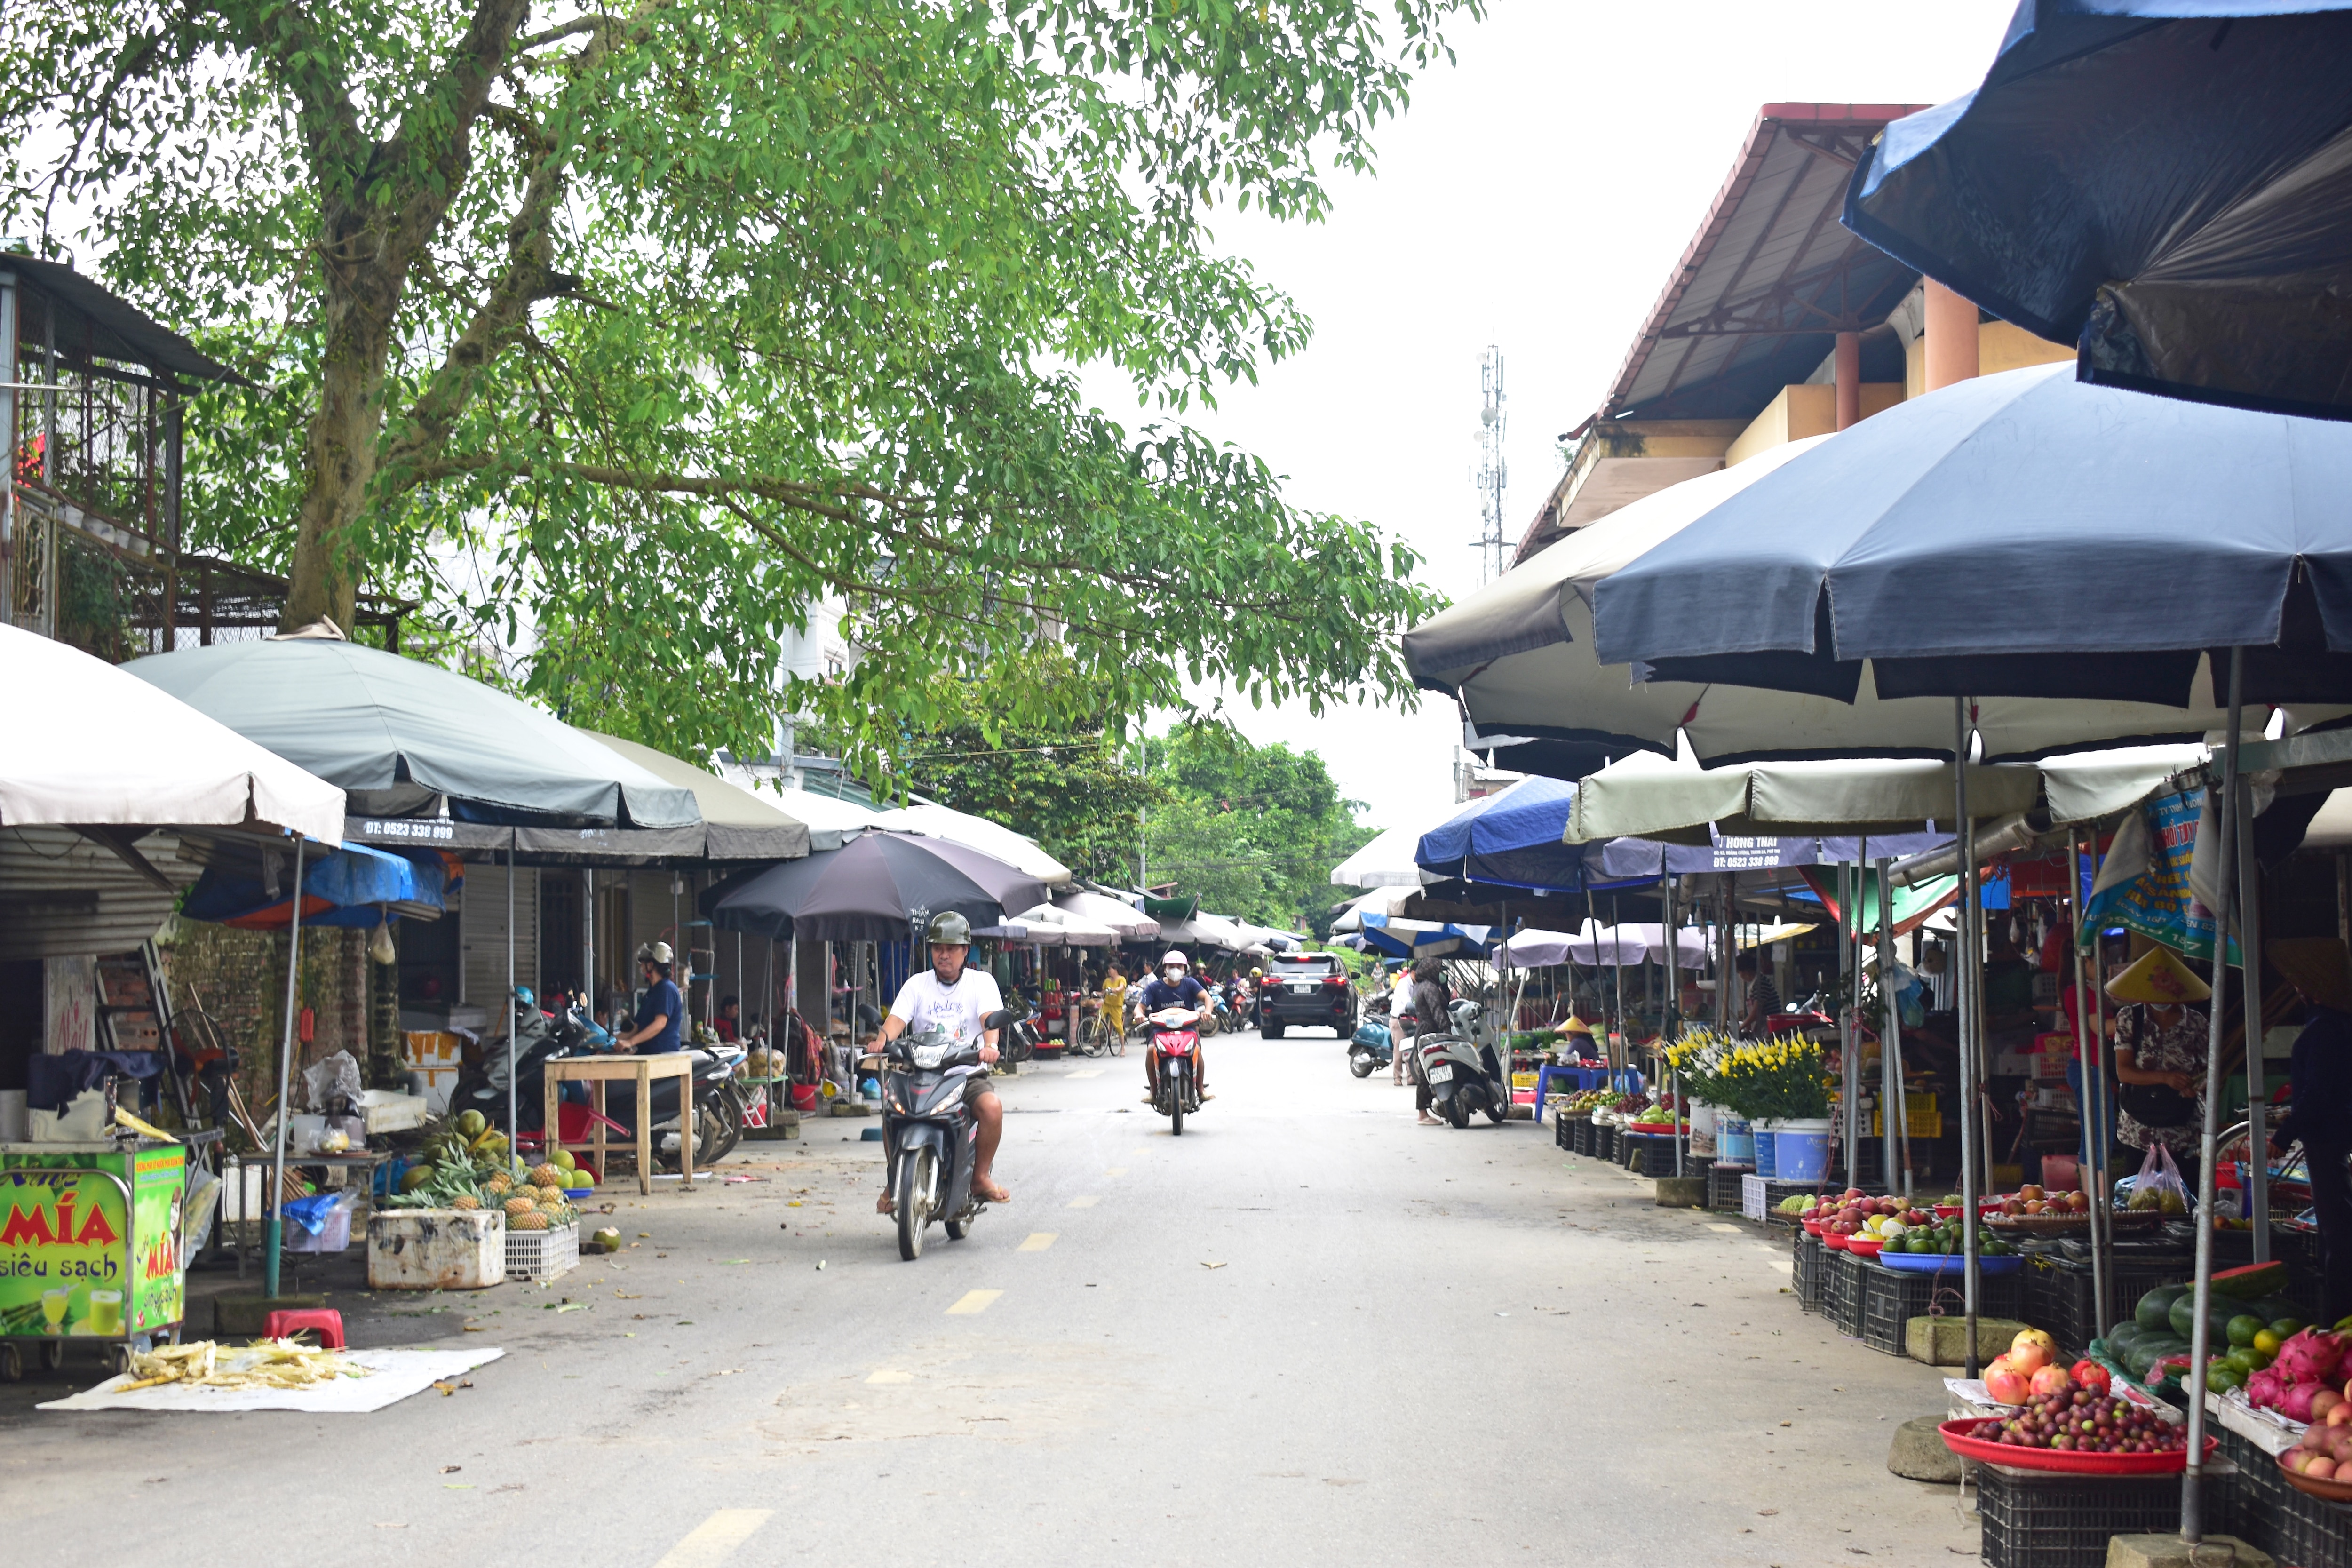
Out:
{"x": 930, "y": 1138}
{"x": 1462, "y": 1074}
{"x": 1175, "y": 1039}
{"x": 1373, "y": 1046}
{"x": 1025, "y": 1032}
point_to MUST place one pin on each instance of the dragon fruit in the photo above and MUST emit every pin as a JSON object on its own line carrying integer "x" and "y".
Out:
{"x": 2311, "y": 1356}
{"x": 2267, "y": 1387}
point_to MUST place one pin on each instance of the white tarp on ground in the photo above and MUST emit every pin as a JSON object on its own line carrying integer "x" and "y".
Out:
{"x": 978, "y": 833}
{"x": 395, "y": 1374}
{"x": 87, "y": 744}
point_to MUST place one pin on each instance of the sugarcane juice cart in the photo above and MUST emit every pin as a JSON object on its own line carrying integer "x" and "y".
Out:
{"x": 91, "y": 1248}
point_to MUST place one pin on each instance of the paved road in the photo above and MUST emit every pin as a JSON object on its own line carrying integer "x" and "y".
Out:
{"x": 1307, "y": 1331}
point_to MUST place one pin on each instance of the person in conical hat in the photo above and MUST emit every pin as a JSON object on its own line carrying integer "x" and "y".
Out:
{"x": 2160, "y": 1044}
{"x": 2319, "y": 1111}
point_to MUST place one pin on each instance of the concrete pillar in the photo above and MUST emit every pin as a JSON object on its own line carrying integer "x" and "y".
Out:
{"x": 1951, "y": 337}
{"x": 1849, "y": 379}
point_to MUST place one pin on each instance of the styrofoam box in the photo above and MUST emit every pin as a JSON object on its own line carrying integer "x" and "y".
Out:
{"x": 436, "y": 1249}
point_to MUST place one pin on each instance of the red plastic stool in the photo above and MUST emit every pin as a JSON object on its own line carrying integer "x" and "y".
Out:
{"x": 285, "y": 1325}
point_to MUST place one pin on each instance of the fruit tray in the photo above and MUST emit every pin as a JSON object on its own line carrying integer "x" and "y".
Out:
{"x": 1951, "y": 1262}
{"x": 1955, "y": 1438}
{"x": 2325, "y": 1491}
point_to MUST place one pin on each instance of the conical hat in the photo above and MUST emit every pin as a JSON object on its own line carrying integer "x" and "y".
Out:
{"x": 2317, "y": 966}
{"x": 2158, "y": 977}
{"x": 1575, "y": 1025}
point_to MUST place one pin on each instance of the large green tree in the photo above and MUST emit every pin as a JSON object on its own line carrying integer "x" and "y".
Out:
{"x": 1249, "y": 830}
{"x": 683, "y": 315}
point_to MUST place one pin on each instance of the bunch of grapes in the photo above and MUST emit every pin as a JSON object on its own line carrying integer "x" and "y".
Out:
{"x": 2082, "y": 1422}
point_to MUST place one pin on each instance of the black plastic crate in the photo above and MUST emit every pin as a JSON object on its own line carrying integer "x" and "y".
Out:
{"x": 1604, "y": 1143}
{"x": 1852, "y": 1291}
{"x": 1653, "y": 1154}
{"x": 1891, "y": 1298}
{"x": 2057, "y": 1298}
{"x": 2259, "y": 1499}
{"x": 1723, "y": 1192}
{"x": 2036, "y": 1520}
{"x": 1588, "y": 1137}
{"x": 2310, "y": 1534}
{"x": 1832, "y": 1283}
{"x": 1810, "y": 1272}
{"x": 1563, "y": 1132}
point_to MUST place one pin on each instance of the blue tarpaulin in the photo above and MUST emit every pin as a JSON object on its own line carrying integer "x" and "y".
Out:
{"x": 1961, "y": 539}
{"x": 2165, "y": 184}
{"x": 354, "y": 886}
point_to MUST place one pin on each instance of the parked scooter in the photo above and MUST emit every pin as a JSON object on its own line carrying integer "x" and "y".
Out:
{"x": 1373, "y": 1046}
{"x": 1175, "y": 1044}
{"x": 930, "y": 1138}
{"x": 1462, "y": 1075}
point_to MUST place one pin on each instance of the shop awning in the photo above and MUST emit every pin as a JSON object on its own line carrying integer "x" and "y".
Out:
{"x": 87, "y": 744}
{"x": 737, "y": 824}
{"x": 882, "y": 887}
{"x": 2167, "y": 183}
{"x": 1131, "y": 923}
{"x": 404, "y": 738}
{"x": 978, "y": 832}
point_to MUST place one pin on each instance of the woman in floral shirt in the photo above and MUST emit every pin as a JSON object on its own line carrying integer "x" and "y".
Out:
{"x": 2160, "y": 1045}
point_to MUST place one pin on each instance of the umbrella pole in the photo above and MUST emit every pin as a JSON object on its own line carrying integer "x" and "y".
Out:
{"x": 2101, "y": 1262}
{"x": 1968, "y": 1012}
{"x": 2192, "y": 1480}
{"x": 274, "y": 1236}
{"x": 2258, "y": 1078}
{"x": 1891, "y": 1107}
{"x": 514, "y": 1127}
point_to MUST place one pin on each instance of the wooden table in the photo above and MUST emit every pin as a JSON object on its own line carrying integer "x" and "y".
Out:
{"x": 598, "y": 1071}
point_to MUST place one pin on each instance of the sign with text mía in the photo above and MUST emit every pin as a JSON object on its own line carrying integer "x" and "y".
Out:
{"x": 76, "y": 1259}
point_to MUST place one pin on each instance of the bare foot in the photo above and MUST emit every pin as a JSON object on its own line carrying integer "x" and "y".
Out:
{"x": 1429, "y": 1121}
{"x": 883, "y": 1206}
{"x": 988, "y": 1188}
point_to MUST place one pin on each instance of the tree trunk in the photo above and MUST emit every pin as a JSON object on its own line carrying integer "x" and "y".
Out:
{"x": 340, "y": 448}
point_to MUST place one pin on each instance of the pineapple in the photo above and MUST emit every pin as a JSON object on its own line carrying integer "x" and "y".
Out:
{"x": 546, "y": 1176}
{"x": 530, "y": 1220}
{"x": 516, "y": 1207}
{"x": 464, "y": 1201}
{"x": 500, "y": 1182}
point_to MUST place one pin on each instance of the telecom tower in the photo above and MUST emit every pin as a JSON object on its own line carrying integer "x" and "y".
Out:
{"x": 1493, "y": 472}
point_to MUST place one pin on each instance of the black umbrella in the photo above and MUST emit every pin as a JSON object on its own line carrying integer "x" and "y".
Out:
{"x": 879, "y": 887}
{"x": 2167, "y": 184}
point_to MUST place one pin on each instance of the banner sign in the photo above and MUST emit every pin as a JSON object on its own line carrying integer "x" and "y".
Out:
{"x": 2144, "y": 885}
{"x": 75, "y": 1260}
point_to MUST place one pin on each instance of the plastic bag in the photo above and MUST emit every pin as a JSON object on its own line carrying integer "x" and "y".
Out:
{"x": 332, "y": 1076}
{"x": 2159, "y": 1184}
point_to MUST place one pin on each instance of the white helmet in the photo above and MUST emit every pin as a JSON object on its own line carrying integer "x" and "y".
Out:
{"x": 1176, "y": 960}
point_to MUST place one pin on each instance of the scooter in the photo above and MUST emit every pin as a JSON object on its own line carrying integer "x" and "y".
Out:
{"x": 1373, "y": 1046}
{"x": 1175, "y": 1042}
{"x": 929, "y": 1137}
{"x": 1462, "y": 1075}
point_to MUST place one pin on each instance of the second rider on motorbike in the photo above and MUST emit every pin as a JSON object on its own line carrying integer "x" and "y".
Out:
{"x": 1175, "y": 987}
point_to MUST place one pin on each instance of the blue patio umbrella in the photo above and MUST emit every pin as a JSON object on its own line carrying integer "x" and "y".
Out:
{"x": 354, "y": 886}
{"x": 2165, "y": 183}
{"x": 2017, "y": 535}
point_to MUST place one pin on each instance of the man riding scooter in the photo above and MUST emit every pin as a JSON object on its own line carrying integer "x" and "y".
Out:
{"x": 1175, "y": 987}
{"x": 954, "y": 999}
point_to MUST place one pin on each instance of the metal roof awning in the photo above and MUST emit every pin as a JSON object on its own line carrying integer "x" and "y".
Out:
{"x": 94, "y": 322}
{"x": 1771, "y": 277}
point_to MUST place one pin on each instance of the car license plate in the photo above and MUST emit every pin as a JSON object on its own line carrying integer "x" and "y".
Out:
{"x": 1442, "y": 1074}
{"x": 1300, "y": 989}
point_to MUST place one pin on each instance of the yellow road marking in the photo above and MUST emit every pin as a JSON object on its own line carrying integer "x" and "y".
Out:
{"x": 973, "y": 1301}
{"x": 1082, "y": 1203}
{"x": 715, "y": 1539}
{"x": 1116, "y": 1171}
{"x": 1085, "y": 1072}
{"x": 1038, "y": 1241}
{"x": 891, "y": 1375}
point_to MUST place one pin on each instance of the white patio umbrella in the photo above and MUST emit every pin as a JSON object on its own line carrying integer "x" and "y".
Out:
{"x": 1131, "y": 923}
{"x": 1387, "y": 861}
{"x": 978, "y": 833}
{"x": 1065, "y": 926}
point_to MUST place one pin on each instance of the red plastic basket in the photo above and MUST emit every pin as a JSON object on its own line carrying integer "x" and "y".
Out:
{"x": 1956, "y": 1439}
{"x": 1812, "y": 1227}
{"x": 1864, "y": 1246}
{"x": 1833, "y": 1241}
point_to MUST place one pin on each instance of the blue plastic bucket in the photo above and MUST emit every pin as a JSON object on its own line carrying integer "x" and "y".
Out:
{"x": 1735, "y": 1141}
{"x": 1767, "y": 1153}
{"x": 1801, "y": 1155}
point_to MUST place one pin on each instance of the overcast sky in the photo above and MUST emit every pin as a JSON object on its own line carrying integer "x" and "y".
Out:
{"x": 1535, "y": 197}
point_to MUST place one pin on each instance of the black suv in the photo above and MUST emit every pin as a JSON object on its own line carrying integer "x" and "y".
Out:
{"x": 1308, "y": 989}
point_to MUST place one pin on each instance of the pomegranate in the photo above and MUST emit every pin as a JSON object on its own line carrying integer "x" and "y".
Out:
{"x": 2050, "y": 1380}
{"x": 2028, "y": 1357}
{"x": 2005, "y": 1384}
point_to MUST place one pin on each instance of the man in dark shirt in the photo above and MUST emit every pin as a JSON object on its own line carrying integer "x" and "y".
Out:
{"x": 1763, "y": 996}
{"x": 1175, "y": 987}
{"x": 661, "y": 1011}
{"x": 2320, "y": 1105}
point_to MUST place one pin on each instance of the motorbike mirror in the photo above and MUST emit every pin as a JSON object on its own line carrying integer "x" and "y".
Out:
{"x": 996, "y": 1020}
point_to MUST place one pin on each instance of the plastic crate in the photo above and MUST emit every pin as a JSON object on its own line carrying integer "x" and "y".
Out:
{"x": 2259, "y": 1501}
{"x": 1563, "y": 1131}
{"x": 1723, "y": 1186}
{"x": 1653, "y": 1154}
{"x": 1810, "y": 1272}
{"x": 2055, "y": 1297}
{"x": 1604, "y": 1143}
{"x": 1892, "y": 1298}
{"x": 1587, "y": 1138}
{"x": 542, "y": 1254}
{"x": 2036, "y": 1520}
{"x": 1852, "y": 1293}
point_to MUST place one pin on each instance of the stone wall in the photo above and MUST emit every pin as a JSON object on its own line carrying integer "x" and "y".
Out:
{"x": 238, "y": 977}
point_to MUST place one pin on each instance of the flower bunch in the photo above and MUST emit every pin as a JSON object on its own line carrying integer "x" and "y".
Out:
{"x": 1777, "y": 1079}
{"x": 1697, "y": 1056}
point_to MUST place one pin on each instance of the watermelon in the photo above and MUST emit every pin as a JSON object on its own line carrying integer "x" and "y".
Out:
{"x": 2155, "y": 1307}
{"x": 2252, "y": 1282}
